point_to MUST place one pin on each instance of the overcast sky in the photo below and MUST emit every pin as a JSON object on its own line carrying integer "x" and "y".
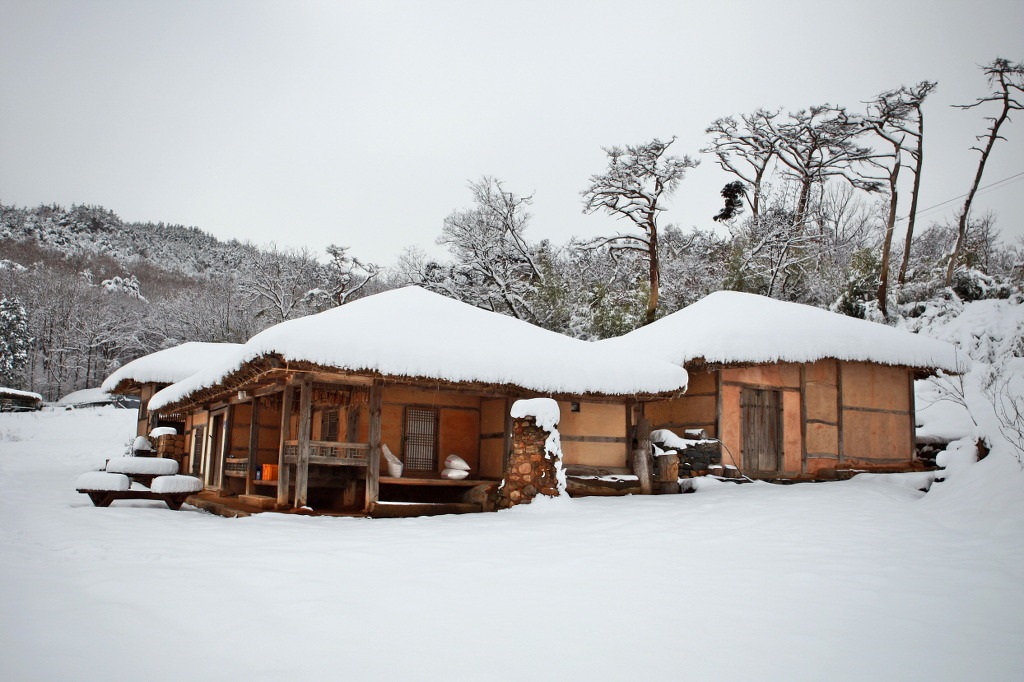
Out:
{"x": 361, "y": 123}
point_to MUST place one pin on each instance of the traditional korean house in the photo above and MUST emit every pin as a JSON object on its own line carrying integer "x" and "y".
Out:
{"x": 143, "y": 377}
{"x": 790, "y": 390}
{"x": 305, "y": 412}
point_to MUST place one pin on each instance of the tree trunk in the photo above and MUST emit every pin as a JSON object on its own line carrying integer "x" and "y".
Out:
{"x": 654, "y": 272}
{"x": 890, "y": 226}
{"x": 914, "y": 193}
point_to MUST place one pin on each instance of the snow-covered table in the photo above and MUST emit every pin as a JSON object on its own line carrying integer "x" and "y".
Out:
{"x": 138, "y": 478}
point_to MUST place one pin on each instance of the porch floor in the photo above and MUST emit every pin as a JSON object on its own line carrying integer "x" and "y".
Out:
{"x": 230, "y": 506}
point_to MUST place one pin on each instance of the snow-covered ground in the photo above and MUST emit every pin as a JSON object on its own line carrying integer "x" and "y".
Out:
{"x": 865, "y": 579}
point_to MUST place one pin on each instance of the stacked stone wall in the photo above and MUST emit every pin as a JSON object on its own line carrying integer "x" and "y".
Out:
{"x": 531, "y": 469}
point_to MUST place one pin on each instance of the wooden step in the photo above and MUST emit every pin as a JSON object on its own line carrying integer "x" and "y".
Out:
{"x": 394, "y": 510}
{"x": 259, "y": 501}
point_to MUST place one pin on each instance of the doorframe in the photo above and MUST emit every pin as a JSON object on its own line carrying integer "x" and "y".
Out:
{"x": 214, "y": 461}
{"x": 754, "y": 465}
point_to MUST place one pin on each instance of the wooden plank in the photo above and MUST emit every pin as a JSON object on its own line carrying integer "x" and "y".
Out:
{"x": 850, "y": 408}
{"x": 913, "y": 416}
{"x": 282, "y": 467}
{"x": 443, "y": 482}
{"x": 254, "y": 434}
{"x": 506, "y": 455}
{"x": 305, "y": 427}
{"x": 593, "y": 439}
{"x": 332, "y": 444}
{"x": 321, "y": 460}
{"x": 839, "y": 407}
{"x": 373, "y": 470}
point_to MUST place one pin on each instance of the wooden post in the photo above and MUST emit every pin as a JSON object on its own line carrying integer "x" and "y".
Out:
{"x": 642, "y": 464}
{"x": 305, "y": 424}
{"x": 225, "y": 447}
{"x": 282, "y": 469}
{"x": 351, "y": 436}
{"x": 668, "y": 474}
{"x": 254, "y": 443}
{"x": 373, "y": 465}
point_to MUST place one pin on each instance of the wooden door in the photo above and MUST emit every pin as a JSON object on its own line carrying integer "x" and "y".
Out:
{"x": 761, "y": 429}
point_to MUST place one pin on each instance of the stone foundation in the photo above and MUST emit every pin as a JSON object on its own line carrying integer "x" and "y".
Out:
{"x": 532, "y": 470}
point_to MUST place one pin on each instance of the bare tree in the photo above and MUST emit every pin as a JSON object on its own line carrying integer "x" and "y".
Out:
{"x": 895, "y": 116}
{"x": 632, "y": 187}
{"x": 1006, "y": 80}
{"x": 745, "y": 151}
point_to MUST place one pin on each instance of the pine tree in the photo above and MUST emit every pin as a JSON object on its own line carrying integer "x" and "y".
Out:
{"x": 14, "y": 340}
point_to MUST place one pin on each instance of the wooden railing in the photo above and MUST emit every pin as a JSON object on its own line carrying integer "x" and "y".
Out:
{"x": 329, "y": 453}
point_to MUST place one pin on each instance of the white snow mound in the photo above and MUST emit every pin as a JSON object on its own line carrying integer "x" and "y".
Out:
{"x": 145, "y": 466}
{"x": 177, "y": 483}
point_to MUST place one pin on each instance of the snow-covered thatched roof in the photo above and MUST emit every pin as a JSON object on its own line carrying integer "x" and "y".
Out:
{"x": 86, "y": 396}
{"x": 170, "y": 365}
{"x": 413, "y": 333}
{"x": 729, "y": 327}
{"x": 21, "y": 395}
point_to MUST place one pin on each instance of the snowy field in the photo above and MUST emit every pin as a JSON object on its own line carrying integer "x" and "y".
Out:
{"x": 861, "y": 580}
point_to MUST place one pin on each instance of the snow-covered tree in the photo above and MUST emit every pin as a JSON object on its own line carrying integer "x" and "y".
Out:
{"x": 1006, "y": 80}
{"x": 15, "y": 341}
{"x": 894, "y": 116}
{"x": 745, "y": 150}
{"x": 493, "y": 265}
{"x": 634, "y": 187}
{"x": 818, "y": 144}
{"x": 275, "y": 282}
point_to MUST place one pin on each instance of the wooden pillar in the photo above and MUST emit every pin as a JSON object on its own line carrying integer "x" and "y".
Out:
{"x": 254, "y": 444}
{"x": 225, "y": 446}
{"x": 349, "y": 496}
{"x": 373, "y": 465}
{"x": 283, "y": 477}
{"x": 305, "y": 424}
{"x": 642, "y": 459}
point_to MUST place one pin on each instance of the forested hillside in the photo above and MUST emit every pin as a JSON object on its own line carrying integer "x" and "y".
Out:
{"x": 815, "y": 211}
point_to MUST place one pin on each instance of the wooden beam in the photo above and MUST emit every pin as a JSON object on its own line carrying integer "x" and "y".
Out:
{"x": 373, "y": 468}
{"x": 803, "y": 418}
{"x": 282, "y": 466}
{"x": 913, "y": 416}
{"x": 839, "y": 409}
{"x": 254, "y": 442}
{"x": 305, "y": 427}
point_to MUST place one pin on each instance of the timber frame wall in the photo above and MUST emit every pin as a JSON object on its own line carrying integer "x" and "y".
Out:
{"x": 277, "y": 419}
{"x": 835, "y": 414}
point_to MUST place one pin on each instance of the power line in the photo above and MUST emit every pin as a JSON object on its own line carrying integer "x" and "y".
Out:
{"x": 980, "y": 189}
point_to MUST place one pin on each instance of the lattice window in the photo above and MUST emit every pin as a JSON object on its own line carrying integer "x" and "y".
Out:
{"x": 420, "y": 439}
